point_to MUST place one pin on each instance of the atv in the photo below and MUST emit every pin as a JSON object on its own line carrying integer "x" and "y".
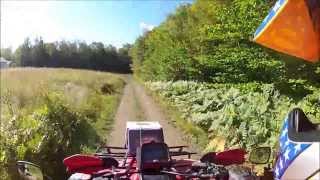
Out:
{"x": 145, "y": 156}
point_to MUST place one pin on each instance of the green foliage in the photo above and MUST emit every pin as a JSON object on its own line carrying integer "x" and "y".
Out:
{"x": 6, "y": 53}
{"x": 235, "y": 89}
{"x": 75, "y": 54}
{"x": 208, "y": 41}
{"x": 67, "y": 112}
{"x": 311, "y": 105}
{"x": 246, "y": 115}
{"x": 211, "y": 41}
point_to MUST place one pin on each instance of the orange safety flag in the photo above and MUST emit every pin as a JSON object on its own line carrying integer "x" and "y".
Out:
{"x": 292, "y": 27}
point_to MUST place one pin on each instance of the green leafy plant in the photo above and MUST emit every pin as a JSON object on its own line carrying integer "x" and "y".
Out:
{"x": 245, "y": 115}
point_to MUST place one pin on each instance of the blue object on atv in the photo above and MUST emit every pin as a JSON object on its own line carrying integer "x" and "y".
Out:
{"x": 299, "y": 149}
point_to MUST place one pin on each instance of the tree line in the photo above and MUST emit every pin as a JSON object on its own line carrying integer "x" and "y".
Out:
{"x": 70, "y": 54}
{"x": 211, "y": 41}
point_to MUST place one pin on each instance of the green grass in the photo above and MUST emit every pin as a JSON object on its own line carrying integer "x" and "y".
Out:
{"x": 47, "y": 114}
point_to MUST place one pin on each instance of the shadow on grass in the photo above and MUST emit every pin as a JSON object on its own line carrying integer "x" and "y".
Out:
{"x": 294, "y": 90}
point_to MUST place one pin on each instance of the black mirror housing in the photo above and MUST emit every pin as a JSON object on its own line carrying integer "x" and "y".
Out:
{"x": 28, "y": 170}
{"x": 260, "y": 155}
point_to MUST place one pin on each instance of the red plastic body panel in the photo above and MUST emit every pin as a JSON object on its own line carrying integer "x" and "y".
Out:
{"x": 234, "y": 156}
{"x": 87, "y": 164}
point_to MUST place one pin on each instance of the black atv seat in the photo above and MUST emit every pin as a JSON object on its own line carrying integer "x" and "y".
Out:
{"x": 301, "y": 129}
{"x": 151, "y": 158}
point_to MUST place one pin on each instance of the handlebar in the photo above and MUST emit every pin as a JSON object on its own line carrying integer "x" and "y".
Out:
{"x": 193, "y": 175}
{"x": 204, "y": 171}
{"x": 208, "y": 173}
{"x": 197, "y": 170}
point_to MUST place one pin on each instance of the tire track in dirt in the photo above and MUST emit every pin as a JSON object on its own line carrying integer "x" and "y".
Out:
{"x": 137, "y": 105}
{"x": 127, "y": 111}
{"x": 153, "y": 112}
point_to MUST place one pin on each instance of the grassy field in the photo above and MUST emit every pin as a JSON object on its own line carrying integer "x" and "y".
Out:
{"x": 47, "y": 114}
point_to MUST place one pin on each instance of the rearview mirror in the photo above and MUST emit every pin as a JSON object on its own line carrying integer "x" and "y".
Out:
{"x": 260, "y": 155}
{"x": 29, "y": 171}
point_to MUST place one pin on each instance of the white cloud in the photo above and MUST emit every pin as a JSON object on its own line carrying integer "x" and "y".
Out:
{"x": 146, "y": 27}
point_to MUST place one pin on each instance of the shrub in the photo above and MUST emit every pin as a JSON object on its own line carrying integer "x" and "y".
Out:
{"x": 62, "y": 113}
{"x": 246, "y": 115}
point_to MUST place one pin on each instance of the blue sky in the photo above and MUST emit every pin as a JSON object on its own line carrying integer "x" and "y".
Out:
{"x": 111, "y": 22}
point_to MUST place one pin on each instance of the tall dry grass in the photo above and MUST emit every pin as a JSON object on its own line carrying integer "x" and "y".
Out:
{"x": 23, "y": 86}
{"x": 45, "y": 110}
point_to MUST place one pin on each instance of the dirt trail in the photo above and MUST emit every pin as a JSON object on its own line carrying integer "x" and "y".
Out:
{"x": 137, "y": 105}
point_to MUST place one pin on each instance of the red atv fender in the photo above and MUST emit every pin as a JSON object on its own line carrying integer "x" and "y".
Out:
{"x": 229, "y": 157}
{"x": 80, "y": 163}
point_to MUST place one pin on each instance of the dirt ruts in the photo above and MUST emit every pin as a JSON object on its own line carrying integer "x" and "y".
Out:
{"x": 137, "y": 105}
